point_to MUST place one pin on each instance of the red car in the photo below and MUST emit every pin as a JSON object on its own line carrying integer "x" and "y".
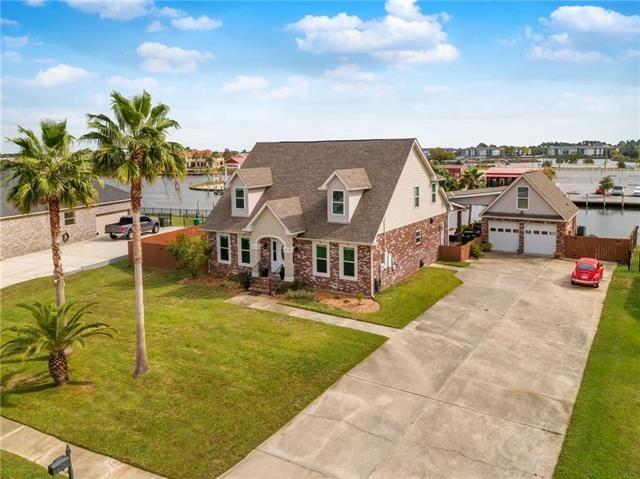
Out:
{"x": 588, "y": 271}
{"x": 599, "y": 191}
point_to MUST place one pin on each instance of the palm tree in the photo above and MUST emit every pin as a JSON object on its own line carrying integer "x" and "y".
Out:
{"x": 56, "y": 329}
{"x": 47, "y": 172}
{"x": 549, "y": 172}
{"x": 472, "y": 178}
{"x": 133, "y": 147}
{"x": 606, "y": 183}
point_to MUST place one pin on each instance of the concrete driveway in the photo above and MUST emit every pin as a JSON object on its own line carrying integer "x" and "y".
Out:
{"x": 480, "y": 386}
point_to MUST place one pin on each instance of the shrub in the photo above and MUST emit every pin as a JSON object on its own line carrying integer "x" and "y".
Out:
{"x": 360, "y": 296}
{"x": 300, "y": 294}
{"x": 621, "y": 164}
{"x": 588, "y": 161}
{"x": 243, "y": 279}
{"x": 192, "y": 252}
{"x": 476, "y": 251}
{"x": 293, "y": 286}
{"x": 485, "y": 246}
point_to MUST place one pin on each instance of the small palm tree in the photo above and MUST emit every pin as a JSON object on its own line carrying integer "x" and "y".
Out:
{"x": 56, "y": 329}
{"x": 472, "y": 178}
{"x": 133, "y": 147}
{"x": 47, "y": 172}
{"x": 549, "y": 172}
{"x": 606, "y": 183}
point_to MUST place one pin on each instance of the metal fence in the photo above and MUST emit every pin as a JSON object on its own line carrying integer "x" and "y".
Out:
{"x": 178, "y": 216}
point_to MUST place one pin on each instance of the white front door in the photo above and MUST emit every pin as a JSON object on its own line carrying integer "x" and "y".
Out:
{"x": 503, "y": 236}
{"x": 277, "y": 254}
{"x": 539, "y": 239}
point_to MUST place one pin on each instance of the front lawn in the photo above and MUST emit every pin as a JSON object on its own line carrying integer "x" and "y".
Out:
{"x": 603, "y": 440}
{"x": 457, "y": 264}
{"x": 12, "y": 466}
{"x": 399, "y": 304}
{"x": 223, "y": 378}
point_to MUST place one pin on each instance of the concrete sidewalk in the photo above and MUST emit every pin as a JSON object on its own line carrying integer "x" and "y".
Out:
{"x": 265, "y": 303}
{"x": 41, "y": 448}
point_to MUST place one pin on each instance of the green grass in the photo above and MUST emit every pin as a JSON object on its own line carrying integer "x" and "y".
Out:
{"x": 399, "y": 304}
{"x": 603, "y": 439}
{"x": 457, "y": 264}
{"x": 223, "y": 377}
{"x": 16, "y": 467}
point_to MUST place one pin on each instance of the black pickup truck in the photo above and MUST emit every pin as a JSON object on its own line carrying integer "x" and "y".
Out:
{"x": 124, "y": 227}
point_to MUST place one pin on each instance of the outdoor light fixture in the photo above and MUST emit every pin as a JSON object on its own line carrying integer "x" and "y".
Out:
{"x": 61, "y": 463}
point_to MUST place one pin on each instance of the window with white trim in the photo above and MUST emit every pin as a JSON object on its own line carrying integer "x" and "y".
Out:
{"x": 223, "y": 248}
{"x": 418, "y": 236}
{"x": 244, "y": 251}
{"x": 337, "y": 202}
{"x": 348, "y": 262}
{"x": 69, "y": 218}
{"x": 434, "y": 190}
{"x": 416, "y": 196}
{"x": 239, "y": 198}
{"x": 523, "y": 198}
{"x": 321, "y": 259}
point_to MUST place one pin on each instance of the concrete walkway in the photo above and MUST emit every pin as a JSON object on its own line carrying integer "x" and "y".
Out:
{"x": 42, "y": 449}
{"x": 266, "y": 303}
{"x": 482, "y": 385}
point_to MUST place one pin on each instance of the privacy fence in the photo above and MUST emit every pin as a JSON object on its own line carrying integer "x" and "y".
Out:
{"x": 620, "y": 250}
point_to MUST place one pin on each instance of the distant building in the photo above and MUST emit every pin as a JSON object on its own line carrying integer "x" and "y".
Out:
{"x": 236, "y": 161}
{"x": 482, "y": 152}
{"x": 201, "y": 161}
{"x": 596, "y": 149}
{"x": 503, "y": 176}
{"x": 456, "y": 171}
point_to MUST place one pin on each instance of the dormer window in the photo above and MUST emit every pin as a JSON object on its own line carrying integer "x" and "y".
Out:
{"x": 239, "y": 198}
{"x": 337, "y": 202}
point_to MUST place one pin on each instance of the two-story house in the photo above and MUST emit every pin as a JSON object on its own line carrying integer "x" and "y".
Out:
{"x": 348, "y": 216}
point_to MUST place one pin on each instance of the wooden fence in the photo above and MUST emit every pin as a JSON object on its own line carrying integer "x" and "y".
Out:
{"x": 604, "y": 249}
{"x": 457, "y": 251}
{"x": 155, "y": 248}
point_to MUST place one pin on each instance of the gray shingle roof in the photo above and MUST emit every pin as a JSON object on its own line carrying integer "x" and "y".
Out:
{"x": 552, "y": 194}
{"x": 289, "y": 211}
{"x": 106, "y": 194}
{"x": 353, "y": 178}
{"x": 256, "y": 177}
{"x": 300, "y": 168}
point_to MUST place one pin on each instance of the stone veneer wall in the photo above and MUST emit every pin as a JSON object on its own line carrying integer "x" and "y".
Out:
{"x": 407, "y": 255}
{"x": 29, "y": 233}
{"x": 563, "y": 229}
{"x": 303, "y": 261}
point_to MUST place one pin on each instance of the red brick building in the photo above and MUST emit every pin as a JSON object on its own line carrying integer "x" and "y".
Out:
{"x": 346, "y": 216}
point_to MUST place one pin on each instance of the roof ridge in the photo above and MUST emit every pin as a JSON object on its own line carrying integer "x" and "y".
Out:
{"x": 336, "y": 141}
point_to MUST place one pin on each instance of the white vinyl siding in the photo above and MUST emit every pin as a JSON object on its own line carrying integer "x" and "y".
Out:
{"x": 348, "y": 262}
{"x": 244, "y": 251}
{"x": 321, "y": 259}
{"x": 224, "y": 248}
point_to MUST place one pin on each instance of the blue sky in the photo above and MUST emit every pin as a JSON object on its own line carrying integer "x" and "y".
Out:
{"x": 448, "y": 73}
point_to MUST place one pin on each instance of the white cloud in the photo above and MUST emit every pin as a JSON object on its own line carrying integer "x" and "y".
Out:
{"x": 155, "y": 26}
{"x": 140, "y": 83}
{"x": 114, "y": 9}
{"x": 437, "y": 88}
{"x": 5, "y": 22}
{"x": 55, "y": 76}
{"x": 15, "y": 42}
{"x": 348, "y": 78}
{"x": 169, "y": 12}
{"x": 404, "y": 35}
{"x": 632, "y": 54}
{"x": 581, "y": 34}
{"x": 34, "y": 3}
{"x": 12, "y": 56}
{"x": 158, "y": 57}
{"x": 203, "y": 22}
{"x": 296, "y": 87}
{"x": 245, "y": 83}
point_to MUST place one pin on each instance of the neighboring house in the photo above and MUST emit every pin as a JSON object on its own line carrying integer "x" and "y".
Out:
{"x": 456, "y": 171}
{"x": 347, "y": 216}
{"x": 22, "y": 234}
{"x": 236, "y": 161}
{"x": 201, "y": 161}
{"x": 595, "y": 149}
{"x": 504, "y": 176}
{"x": 531, "y": 216}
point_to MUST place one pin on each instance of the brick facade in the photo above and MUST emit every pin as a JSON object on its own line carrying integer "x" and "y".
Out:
{"x": 407, "y": 255}
{"x": 29, "y": 233}
{"x": 223, "y": 269}
{"x": 563, "y": 229}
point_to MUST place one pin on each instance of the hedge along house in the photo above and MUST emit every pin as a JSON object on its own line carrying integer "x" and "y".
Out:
{"x": 530, "y": 216}
{"x": 347, "y": 216}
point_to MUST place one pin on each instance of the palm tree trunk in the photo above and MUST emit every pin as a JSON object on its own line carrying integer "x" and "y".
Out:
{"x": 58, "y": 367}
{"x": 142, "y": 365}
{"x": 56, "y": 250}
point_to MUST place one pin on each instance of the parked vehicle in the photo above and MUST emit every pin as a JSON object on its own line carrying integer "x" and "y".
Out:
{"x": 588, "y": 272}
{"x": 124, "y": 227}
{"x": 636, "y": 191}
{"x": 617, "y": 190}
{"x": 599, "y": 191}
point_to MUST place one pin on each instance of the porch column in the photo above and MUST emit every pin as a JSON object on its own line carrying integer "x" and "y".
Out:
{"x": 288, "y": 264}
{"x": 255, "y": 259}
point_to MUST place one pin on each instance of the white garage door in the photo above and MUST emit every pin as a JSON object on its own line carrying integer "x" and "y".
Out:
{"x": 503, "y": 236}
{"x": 108, "y": 218}
{"x": 539, "y": 239}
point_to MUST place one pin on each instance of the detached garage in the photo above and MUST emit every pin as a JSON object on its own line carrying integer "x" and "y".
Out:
{"x": 531, "y": 216}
